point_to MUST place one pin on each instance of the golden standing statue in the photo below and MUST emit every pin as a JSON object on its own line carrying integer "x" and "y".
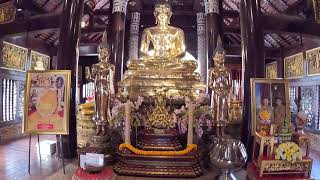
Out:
{"x": 102, "y": 75}
{"x": 160, "y": 65}
{"x": 220, "y": 84}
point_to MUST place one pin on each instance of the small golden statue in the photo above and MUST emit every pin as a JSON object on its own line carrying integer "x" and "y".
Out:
{"x": 102, "y": 75}
{"x": 220, "y": 84}
{"x": 162, "y": 48}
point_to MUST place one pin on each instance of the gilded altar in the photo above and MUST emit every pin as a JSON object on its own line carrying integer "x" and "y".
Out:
{"x": 161, "y": 64}
{"x": 162, "y": 77}
{"x": 280, "y": 158}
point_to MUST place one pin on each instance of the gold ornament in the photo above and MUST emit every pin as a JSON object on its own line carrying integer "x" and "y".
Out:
{"x": 160, "y": 117}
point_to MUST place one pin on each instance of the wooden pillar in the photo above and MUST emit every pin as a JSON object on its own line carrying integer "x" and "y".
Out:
{"x": 135, "y": 7}
{"x": 118, "y": 19}
{"x": 201, "y": 45}
{"x": 213, "y": 26}
{"x": 253, "y": 62}
{"x": 68, "y": 60}
{"x": 280, "y": 65}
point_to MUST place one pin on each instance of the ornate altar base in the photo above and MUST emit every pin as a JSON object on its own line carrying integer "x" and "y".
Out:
{"x": 186, "y": 166}
{"x": 151, "y": 141}
{"x": 253, "y": 174}
{"x": 182, "y": 166}
{"x": 271, "y": 166}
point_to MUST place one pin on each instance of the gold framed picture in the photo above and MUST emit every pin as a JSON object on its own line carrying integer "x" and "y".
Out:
{"x": 47, "y": 99}
{"x": 7, "y": 11}
{"x": 271, "y": 70}
{"x": 271, "y": 96}
{"x": 313, "y": 62}
{"x": 293, "y": 66}
{"x": 14, "y": 57}
{"x": 39, "y": 61}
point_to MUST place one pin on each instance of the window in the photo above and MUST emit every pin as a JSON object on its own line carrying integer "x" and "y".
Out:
{"x": 293, "y": 105}
{"x": 87, "y": 90}
{"x": 9, "y": 99}
{"x": 310, "y": 105}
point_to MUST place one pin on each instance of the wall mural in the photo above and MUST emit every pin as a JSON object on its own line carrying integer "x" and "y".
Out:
{"x": 313, "y": 61}
{"x": 14, "y": 57}
{"x": 7, "y": 12}
{"x": 293, "y": 66}
{"x": 271, "y": 70}
{"x": 39, "y": 61}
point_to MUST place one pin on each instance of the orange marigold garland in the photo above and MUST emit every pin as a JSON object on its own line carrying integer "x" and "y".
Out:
{"x": 189, "y": 148}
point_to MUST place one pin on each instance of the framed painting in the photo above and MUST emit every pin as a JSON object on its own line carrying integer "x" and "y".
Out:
{"x": 39, "y": 61}
{"x": 47, "y": 98}
{"x": 7, "y": 11}
{"x": 313, "y": 62}
{"x": 293, "y": 66}
{"x": 271, "y": 70}
{"x": 271, "y": 97}
{"x": 14, "y": 57}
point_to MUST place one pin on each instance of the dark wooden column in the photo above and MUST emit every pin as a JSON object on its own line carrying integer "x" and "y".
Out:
{"x": 280, "y": 65}
{"x": 118, "y": 19}
{"x": 253, "y": 61}
{"x": 68, "y": 60}
{"x": 213, "y": 26}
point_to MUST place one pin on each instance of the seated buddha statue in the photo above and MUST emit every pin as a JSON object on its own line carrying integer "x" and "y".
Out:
{"x": 161, "y": 64}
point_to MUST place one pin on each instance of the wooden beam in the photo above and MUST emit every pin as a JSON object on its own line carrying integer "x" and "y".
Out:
{"x": 292, "y": 9}
{"x": 230, "y": 13}
{"x": 94, "y": 29}
{"x": 288, "y": 23}
{"x": 102, "y": 12}
{"x": 29, "y": 7}
{"x": 34, "y": 23}
{"x": 235, "y": 51}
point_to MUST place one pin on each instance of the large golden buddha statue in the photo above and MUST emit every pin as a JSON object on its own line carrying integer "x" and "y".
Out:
{"x": 161, "y": 64}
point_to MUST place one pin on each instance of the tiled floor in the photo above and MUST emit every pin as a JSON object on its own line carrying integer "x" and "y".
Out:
{"x": 14, "y": 160}
{"x": 14, "y": 163}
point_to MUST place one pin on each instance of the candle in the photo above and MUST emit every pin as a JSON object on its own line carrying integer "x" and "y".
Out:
{"x": 190, "y": 125}
{"x": 127, "y": 123}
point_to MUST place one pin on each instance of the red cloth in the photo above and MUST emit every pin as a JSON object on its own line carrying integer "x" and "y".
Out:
{"x": 81, "y": 174}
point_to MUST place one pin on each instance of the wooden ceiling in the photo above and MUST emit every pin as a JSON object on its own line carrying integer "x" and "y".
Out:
{"x": 98, "y": 12}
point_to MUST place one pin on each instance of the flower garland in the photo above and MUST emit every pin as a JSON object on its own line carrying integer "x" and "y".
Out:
{"x": 118, "y": 112}
{"x": 190, "y": 147}
{"x": 202, "y": 114}
{"x": 289, "y": 151}
{"x": 265, "y": 119}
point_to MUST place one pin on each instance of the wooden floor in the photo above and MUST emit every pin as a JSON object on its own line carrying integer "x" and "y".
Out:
{"x": 14, "y": 163}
